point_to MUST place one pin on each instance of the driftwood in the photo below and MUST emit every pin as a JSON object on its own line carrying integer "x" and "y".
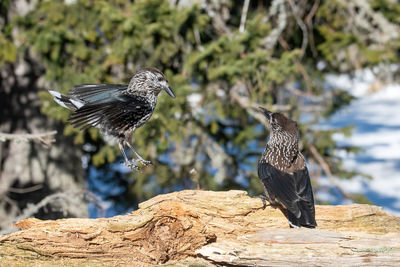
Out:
{"x": 207, "y": 228}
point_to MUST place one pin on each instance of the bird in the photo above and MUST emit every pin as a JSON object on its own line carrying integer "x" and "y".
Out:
{"x": 116, "y": 109}
{"x": 284, "y": 174}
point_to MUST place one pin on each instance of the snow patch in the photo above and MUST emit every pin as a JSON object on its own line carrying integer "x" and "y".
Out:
{"x": 376, "y": 120}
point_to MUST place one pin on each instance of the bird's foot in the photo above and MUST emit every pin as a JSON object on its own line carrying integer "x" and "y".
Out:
{"x": 264, "y": 201}
{"x": 132, "y": 165}
{"x": 145, "y": 162}
{"x": 270, "y": 203}
{"x": 137, "y": 164}
{"x": 275, "y": 204}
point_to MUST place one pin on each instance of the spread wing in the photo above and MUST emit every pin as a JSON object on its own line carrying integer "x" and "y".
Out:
{"x": 117, "y": 112}
{"x": 91, "y": 93}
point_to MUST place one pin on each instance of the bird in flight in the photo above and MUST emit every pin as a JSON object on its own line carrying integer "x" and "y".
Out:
{"x": 116, "y": 109}
{"x": 283, "y": 171}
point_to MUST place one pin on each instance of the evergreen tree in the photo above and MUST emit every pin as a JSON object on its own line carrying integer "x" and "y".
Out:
{"x": 221, "y": 66}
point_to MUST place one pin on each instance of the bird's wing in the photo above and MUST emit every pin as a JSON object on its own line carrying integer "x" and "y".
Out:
{"x": 281, "y": 185}
{"x": 306, "y": 202}
{"x": 118, "y": 112}
{"x": 303, "y": 185}
{"x": 90, "y": 93}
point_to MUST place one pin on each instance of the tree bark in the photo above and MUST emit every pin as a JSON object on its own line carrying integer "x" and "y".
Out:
{"x": 208, "y": 228}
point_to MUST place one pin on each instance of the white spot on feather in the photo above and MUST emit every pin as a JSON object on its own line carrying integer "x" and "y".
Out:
{"x": 55, "y": 94}
{"x": 77, "y": 103}
{"x": 61, "y": 103}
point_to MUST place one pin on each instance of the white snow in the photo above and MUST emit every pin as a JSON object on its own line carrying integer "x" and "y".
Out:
{"x": 376, "y": 118}
{"x": 194, "y": 99}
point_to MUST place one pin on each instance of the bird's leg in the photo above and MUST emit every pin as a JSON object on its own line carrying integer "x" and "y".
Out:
{"x": 127, "y": 162}
{"x": 264, "y": 200}
{"x": 143, "y": 161}
{"x": 270, "y": 200}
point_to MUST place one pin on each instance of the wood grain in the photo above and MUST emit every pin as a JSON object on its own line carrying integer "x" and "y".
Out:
{"x": 207, "y": 228}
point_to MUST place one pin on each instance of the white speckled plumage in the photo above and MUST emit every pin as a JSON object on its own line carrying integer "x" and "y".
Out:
{"x": 283, "y": 171}
{"x": 116, "y": 109}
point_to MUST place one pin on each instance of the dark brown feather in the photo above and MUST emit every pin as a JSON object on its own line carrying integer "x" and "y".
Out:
{"x": 284, "y": 173}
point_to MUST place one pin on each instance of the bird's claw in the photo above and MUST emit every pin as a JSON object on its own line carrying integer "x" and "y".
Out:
{"x": 132, "y": 165}
{"x": 263, "y": 199}
{"x": 137, "y": 164}
{"x": 145, "y": 162}
{"x": 272, "y": 204}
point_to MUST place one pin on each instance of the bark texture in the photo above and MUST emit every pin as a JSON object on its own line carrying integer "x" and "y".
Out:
{"x": 207, "y": 228}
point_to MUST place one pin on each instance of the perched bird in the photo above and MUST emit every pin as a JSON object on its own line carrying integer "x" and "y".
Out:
{"x": 116, "y": 109}
{"x": 283, "y": 171}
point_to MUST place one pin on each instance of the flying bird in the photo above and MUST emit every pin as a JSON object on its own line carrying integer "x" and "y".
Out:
{"x": 283, "y": 171}
{"x": 116, "y": 109}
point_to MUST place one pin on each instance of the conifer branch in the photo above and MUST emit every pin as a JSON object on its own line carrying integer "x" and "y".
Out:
{"x": 325, "y": 166}
{"x": 44, "y": 138}
{"x": 302, "y": 27}
{"x": 310, "y": 27}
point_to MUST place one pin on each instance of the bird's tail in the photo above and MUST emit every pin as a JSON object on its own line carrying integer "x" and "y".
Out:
{"x": 306, "y": 219}
{"x": 66, "y": 101}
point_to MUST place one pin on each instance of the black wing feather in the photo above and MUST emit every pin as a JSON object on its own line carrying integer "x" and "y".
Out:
{"x": 92, "y": 93}
{"x": 280, "y": 185}
{"x": 117, "y": 114}
{"x": 294, "y": 191}
{"x": 306, "y": 203}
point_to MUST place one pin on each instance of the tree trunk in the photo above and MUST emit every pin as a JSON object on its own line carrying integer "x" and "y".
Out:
{"x": 208, "y": 228}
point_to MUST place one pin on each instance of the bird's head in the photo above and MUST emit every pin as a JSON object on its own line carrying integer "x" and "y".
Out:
{"x": 279, "y": 122}
{"x": 150, "y": 80}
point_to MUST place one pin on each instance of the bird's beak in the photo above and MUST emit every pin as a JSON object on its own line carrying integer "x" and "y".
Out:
{"x": 168, "y": 89}
{"x": 267, "y": 113}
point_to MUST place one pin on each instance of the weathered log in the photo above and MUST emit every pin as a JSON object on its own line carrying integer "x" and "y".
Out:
{"x": 207, "y": 228}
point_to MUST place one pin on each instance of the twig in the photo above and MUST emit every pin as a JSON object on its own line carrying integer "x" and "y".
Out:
{"x": 302, "y": 27}
{"x": 34, "y": 208}
{"x": 97, "y": 201}
{"x": 277, "y": 7}
{"x": 25, "y": 190}
{"x": 44, "y": 138}
{"x": 299, "y": 66}
{"x": 218, "y": 156}
{"x": 216, "y": 15}
{"x": 251, "y": 107}
{"x": 310, "y": 27}
{"x": 197, "y": 38}
{"x": 327, "y": 170}
{"x": 244, "y": 15}
{"x": 321, "y": 161}
{"x": 297, "y": 92}
{"x": 60, "y": 197}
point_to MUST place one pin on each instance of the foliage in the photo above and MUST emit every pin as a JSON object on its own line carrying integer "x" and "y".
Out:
{"x": 8, "y": 51}
{"x": 206, "y": 59}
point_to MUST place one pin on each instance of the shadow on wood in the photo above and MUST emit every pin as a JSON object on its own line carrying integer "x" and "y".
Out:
{"x": 207, "y": 228}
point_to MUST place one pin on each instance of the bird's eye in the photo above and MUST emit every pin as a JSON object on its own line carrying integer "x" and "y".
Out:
{"x": 160, "y": 79}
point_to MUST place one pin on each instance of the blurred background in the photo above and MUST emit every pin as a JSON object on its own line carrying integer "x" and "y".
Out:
{"x": 331, "y": 65}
